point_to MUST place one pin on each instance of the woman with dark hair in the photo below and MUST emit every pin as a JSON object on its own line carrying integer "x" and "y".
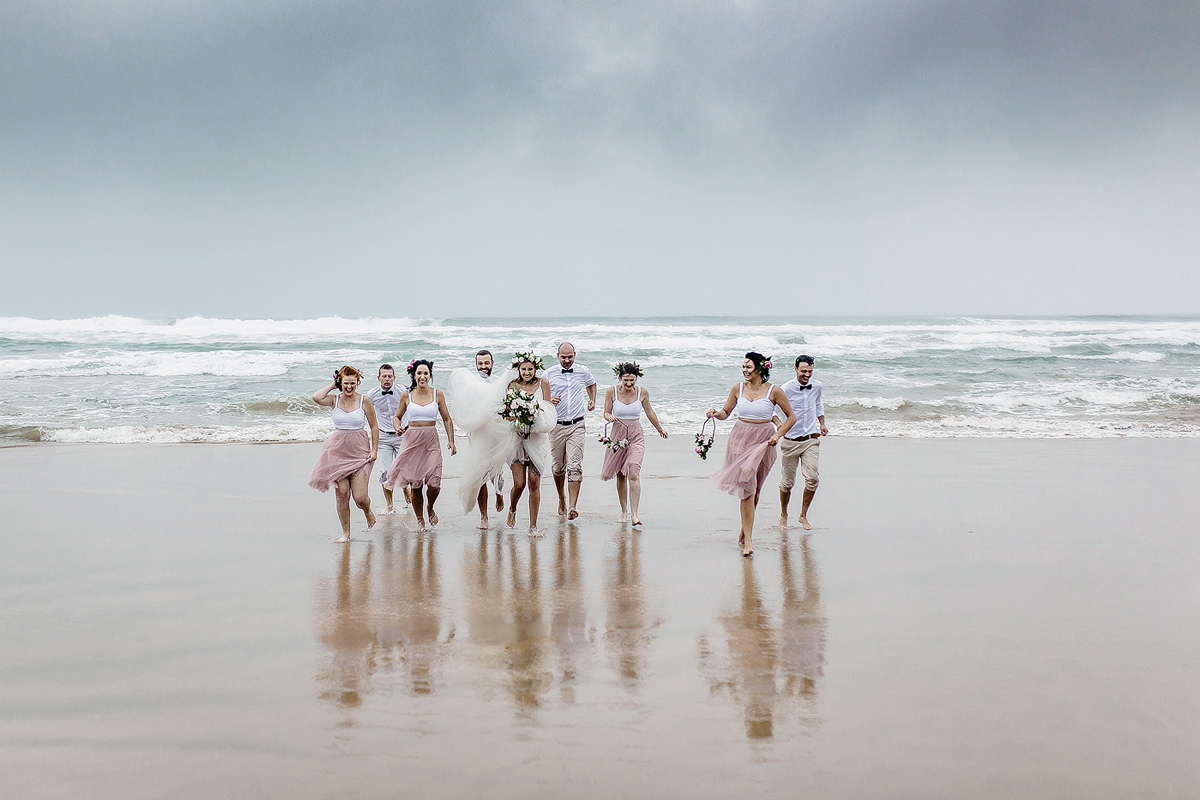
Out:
{"x": 750, "y": 453}
{"x": 625, "y": 445}
{"x": 349, "y": 452}
{"x": 418, "y": 463}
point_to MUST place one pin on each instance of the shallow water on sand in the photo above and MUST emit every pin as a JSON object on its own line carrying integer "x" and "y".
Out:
{"x": 180, "y": 625}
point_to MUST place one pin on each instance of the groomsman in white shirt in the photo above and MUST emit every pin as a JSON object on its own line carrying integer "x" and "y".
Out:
{"x": 801, "y": 444}
{"x": 386, "y": 399}
{"x": 573, "y": 393}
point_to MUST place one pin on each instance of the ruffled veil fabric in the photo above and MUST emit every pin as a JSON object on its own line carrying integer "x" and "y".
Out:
{"x": 493, "y": 441}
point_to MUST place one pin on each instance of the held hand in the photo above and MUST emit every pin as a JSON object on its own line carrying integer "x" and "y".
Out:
{"x": 609, "y": 418}
{"x": 773, "y": 440}
{"x": 374, "y": 455}
{"x": 712, "y": 412}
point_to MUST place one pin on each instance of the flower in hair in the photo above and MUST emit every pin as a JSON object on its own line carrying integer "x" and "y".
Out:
{"x": 624, "y": 365}
{"x": 521, "y": 358}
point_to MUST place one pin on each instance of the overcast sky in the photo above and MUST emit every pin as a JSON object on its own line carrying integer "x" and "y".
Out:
{"x": 454, "y": 158}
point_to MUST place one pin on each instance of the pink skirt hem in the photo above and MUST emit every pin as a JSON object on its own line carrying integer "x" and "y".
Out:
{"x": 748, "y": 459}
{"x": 628, "y": 460}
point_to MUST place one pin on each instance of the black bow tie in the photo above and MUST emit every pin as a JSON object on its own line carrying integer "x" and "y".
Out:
{"x": 385, "y": 391}
{"x": 806, "y": 387}
{"x": 572, "y": 369}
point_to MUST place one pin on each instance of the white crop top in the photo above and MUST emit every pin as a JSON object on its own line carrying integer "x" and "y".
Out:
{"x": 759, "y": 410}
{"x": 354, "y": 420}
{"x": 421, "y": 413}
{"x": 627, "y": 410}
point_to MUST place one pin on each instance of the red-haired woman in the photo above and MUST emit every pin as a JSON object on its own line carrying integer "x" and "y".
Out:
{"x": 349, "y": 453}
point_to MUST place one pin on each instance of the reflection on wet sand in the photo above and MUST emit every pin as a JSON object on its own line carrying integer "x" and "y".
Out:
{"x": 515, "y": 621}
{"x": 771, "y": 663}
{"x": 625, "y": 628}
{"x": 381, "y": 619}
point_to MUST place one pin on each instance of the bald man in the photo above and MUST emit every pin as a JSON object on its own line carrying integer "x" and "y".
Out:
{"x": 573, "y": 393}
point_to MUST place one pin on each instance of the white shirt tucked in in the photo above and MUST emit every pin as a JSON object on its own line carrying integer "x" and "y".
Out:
{"x": 806, "y": 404}
{"x": 572, "y": 388}
{"x": 386, "y": 405}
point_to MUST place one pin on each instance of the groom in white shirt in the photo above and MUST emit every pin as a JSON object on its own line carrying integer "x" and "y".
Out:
{"x": 573, "y": 393}
{"x": 801, "y": 444}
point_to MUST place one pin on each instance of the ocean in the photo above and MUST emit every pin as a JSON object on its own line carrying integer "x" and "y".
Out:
{"x": 118, "y": 379}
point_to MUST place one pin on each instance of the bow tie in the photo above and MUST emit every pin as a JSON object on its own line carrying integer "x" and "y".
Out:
{"x": 385, "y": 391}
{"x": 806, "y": 387}
{"x": 572, "y": 369}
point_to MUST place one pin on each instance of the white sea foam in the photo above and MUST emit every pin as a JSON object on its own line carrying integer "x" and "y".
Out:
{"x": 298, "y": 431}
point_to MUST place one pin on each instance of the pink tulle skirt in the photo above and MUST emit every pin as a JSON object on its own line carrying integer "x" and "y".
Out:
{"x": 627, "y": 461}
{"x": 344, "y": 454}
{"x": 418, "y": 461}
{"x": 748, "y": 459}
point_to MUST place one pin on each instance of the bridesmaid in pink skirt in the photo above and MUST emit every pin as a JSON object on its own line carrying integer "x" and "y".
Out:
{"x": 418, "y": 463}
{"x": 623, "y": 406}
{"x": 751, "y": 453}
{"x": 349, "y": 453}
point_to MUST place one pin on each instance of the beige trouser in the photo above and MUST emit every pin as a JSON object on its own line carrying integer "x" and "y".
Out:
{"x": 566, "y": 446}
{"x": 806, "y": 452}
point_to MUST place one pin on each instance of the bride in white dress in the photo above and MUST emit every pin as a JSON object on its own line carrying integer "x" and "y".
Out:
{"x": 497, "y": 441}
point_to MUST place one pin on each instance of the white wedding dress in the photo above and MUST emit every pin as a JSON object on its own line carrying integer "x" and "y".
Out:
{"x": 493, "y": 442}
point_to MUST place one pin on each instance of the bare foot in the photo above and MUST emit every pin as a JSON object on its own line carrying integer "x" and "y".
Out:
{"x": 741, "y": 538}
{"x": 345, "y": 538}
{"x": 483, "y": 524}
{"x": 433, "y": 518}
{"x": 512, "y": 519}
{"x": 562, "y": 510}
{"x": 783, "y": 523}
{"x": 572, "y": 514}
{"x": 534, "y": 533}
{"x": 747, "y": 553}
{"x": 499, "y": 502}
{"x": 637, "y": 521}
{"x": 624, "y": 516}
{"x": 370, "y": 520}
{"x": 420, "y": 525}
{"x": 804, "y": 524}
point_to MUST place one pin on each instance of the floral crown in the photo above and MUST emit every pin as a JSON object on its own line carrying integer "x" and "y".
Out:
{"x": 521, "y": 358}
{"x": 412, "y": 365}
{"x": 621, "y": 368}
{"x": 764, "y": 365}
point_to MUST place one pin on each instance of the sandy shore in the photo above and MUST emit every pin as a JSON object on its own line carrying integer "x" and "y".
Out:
{"x": 972, "y": 618}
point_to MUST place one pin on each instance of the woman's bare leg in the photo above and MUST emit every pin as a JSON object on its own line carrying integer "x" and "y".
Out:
{"x": 635, "y": 497}
{"x": 623, "y": 494}
{"x": 341, "y": 491}
{"x": 431, "y": 493}
{"x": 418, "y": 504}
{"x": 518, "y": 475}
{"x": 360, "y": 484}
{"x": 747, "y": 513}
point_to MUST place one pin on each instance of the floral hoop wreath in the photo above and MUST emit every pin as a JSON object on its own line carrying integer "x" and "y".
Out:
{"x": 609, "y": 442}
{"x": 521, "y": 358}
{"x": 636, "y": 369}
{"x": 704, "y": 442}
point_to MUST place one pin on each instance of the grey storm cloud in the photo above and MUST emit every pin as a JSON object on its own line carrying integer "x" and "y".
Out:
{"x": 222, "y": 120}
{"x": 170, "y": 85}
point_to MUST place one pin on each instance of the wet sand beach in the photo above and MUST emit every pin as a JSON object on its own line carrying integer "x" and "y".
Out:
{"x": 971, "y": 618}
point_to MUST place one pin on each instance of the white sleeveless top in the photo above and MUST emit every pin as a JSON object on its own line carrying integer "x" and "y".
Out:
{"x": 627, "y": 410}
{"x": 758, "y": 410}
{"x": 354, "y": 420}
{"x": 421, "y": 413}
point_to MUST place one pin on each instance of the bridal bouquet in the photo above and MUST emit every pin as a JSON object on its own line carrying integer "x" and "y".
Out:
{"x": 519, "y": 408}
